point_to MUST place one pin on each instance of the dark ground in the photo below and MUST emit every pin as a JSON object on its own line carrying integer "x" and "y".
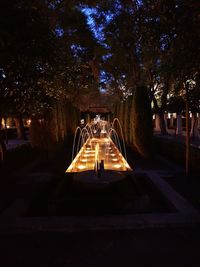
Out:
{"x": 158, "y": 247}
{"x": 147, "y": 247}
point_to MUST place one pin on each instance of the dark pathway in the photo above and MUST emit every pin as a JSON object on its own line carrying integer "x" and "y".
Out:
{"x": 161, "y": 247}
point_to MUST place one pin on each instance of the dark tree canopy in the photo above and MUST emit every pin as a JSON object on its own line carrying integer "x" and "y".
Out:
{"x": 74, "y": 49}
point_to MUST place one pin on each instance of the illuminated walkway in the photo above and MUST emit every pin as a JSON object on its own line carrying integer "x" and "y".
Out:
{"x": 97, "y": 150}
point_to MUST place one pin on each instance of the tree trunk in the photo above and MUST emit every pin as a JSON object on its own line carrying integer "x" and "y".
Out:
{"x": 179, "y": 130}
{"x": 126, "y": 121}
{"x": 160, "y": 123}
{"x": 2, "y": 143}
{"x": 20, "y": 128}
{"x": 198, "y": 124}
{"x": 157, "y": 123}
{"x": 165, "y": 118}
{"x": 171, "y": 122}
{"x": 6, "y": 132}
{"x": 2, "y": 149}
{"x": 194, "y": 126}
{"x": 187, "y": 133}
{"x": 163, "y": 130}
{"x": 142, "y": 122}
{"x": 129, "y": 120}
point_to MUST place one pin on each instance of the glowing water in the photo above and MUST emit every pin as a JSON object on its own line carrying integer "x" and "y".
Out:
{"x": 122, "y": 136}
{"x": 92, "y": 148}
{"x": 77, "y": 129}
{"x": 117, "y": 141}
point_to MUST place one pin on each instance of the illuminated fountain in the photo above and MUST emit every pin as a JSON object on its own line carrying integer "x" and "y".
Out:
{"x": 116, "y": 120}
{"x": 98, "y": 148}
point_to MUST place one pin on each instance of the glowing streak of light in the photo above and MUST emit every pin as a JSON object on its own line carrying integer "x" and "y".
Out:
{"x": 117, "y": 166}
{"x": 81, "y": 167}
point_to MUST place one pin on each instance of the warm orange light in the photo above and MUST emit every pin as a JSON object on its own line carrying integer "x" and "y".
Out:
{"x": 88, "y": 155}
{"x": 117, "y": 166}
{"x": 84, "y": 160}
{"x": 81, "y": 167}
{"x": 98, "y": 151}
{"x": 89, "y": 151}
